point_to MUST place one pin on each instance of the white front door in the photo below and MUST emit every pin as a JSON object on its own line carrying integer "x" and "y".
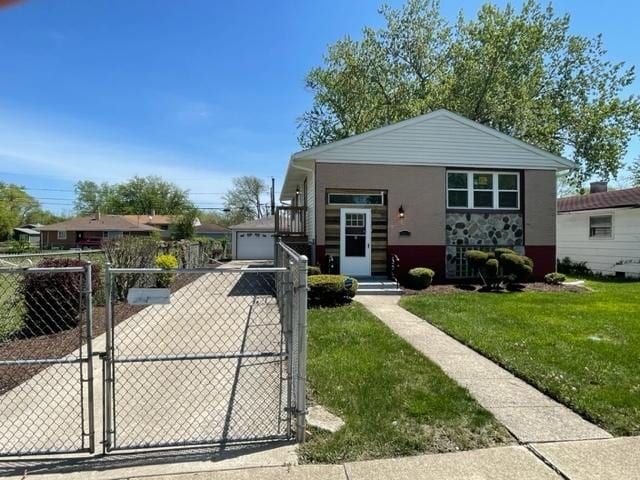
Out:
{"x": 355, "y": 242}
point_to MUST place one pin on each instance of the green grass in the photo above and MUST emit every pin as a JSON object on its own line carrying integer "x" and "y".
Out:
{"x": 583, "y": 349}
{"x": 393, "y": 400}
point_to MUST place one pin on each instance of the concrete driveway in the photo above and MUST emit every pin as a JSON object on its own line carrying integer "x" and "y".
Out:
{"x": 160, "y": 399}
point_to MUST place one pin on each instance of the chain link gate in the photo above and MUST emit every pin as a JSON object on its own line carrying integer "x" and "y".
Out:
{"x": 46, "y": 369}
{"x": 216, "y": 364}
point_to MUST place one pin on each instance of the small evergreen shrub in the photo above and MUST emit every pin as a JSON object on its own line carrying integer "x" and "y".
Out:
{"x": 53, "y": 300}
{"x": 313, "y": 270}
{"x": 330, "y": 290}
{"x": 165, "y": 262}
{"x": 569, "y": 267}
{"x": 554, "y": 278}
{"x": 419, "y": 278}
{"x": 500, "y": 267}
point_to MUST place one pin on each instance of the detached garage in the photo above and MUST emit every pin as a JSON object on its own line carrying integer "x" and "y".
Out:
{"x": 253, "y": 240}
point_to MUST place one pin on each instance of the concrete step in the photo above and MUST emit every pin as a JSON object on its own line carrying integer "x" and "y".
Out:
{"x": 378, "y": 287}
{"x": 380, "y": 291}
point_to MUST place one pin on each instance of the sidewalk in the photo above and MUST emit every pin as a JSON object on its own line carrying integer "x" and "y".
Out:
{"x": 581, "y": 460}
{"x": 527, "y": 413}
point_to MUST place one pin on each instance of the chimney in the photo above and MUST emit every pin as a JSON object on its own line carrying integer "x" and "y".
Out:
{"x": 597, "y": 187}
{"x": 97, "y": 215}
{"x": 153, "y": 212}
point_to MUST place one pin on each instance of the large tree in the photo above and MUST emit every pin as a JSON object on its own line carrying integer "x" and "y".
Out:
{"x": 245, "y": 197}
{"x": 140, "y": 195}
{"x": 17, "y": 208}
{"x": 520, "y": 71}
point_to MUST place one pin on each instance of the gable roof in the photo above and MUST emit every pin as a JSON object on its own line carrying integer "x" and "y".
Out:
{"x": 27, "y": 231}
{"x": 438, "y": 138}
{"x": 267, "y": 224}
{"x": 103, "y": 223}
{"x": 629, "y": 197}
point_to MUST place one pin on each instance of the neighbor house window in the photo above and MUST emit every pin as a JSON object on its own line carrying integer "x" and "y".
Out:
{"x": 483, "y": 190}
{"x": 356, "y": 198}
{"x": 600, "y": 226}
{"x": 62, "y": 234}
{"x": 114, "y": 235}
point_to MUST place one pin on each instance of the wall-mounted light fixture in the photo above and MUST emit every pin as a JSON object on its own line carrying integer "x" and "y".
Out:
{"x": 401, "y": 212}
{"x": 297, "y": 189}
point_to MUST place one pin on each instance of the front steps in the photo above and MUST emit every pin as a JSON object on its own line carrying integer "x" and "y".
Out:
{"x": 378, "y": 286}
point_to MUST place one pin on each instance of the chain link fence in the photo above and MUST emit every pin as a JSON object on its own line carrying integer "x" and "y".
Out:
{"x": 46, "y": 390}
{"x": 189, "y": 356}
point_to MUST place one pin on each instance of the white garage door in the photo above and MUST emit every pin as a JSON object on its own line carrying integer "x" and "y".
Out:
{"x": 254, "y": 246}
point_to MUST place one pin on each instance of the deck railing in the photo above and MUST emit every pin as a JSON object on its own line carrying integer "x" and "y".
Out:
{"x": 291, "y": 221}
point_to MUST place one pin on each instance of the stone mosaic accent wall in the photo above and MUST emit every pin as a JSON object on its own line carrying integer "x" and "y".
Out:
{"x": 488, "y": 229}
{"x": 480, "y": 230}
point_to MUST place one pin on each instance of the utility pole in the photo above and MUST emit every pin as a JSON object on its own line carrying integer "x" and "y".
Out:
{"x": 273, "y": 196}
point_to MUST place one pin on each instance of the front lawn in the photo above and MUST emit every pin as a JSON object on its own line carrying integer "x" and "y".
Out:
{"x": 583, "y": 349}
{"x": 393, "y": 400}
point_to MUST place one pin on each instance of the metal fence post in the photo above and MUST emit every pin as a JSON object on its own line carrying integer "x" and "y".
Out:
{"x": 301, "y": 320}
{"x": 89, "y": 313}
{"x": 107, "y": 387}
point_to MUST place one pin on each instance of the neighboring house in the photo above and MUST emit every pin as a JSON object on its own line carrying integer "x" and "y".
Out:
{"x": 602, "y": 229}
{"x": 161, "y": 222}
{"x": 425, "y": 190}
{"x": 28, "y": 233}
{"x": 89, "y": 231}
{"x": 211, "y": 230}
{"x": 253, "y": 240}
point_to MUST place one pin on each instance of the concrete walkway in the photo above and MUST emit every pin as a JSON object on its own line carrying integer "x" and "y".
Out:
{"x": 527, "y": 413}
{"x": 581, "y": 460}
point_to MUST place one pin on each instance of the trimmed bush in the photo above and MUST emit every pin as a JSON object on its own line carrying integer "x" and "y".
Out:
{"x": 165, "y": 262}
{"x": 518, "y": 267}
{"x": 498, "y": 252}
{"x": 419, "y": 278}
{"x": 313, "y": 270}
{"x": 476, "y": 258}
{"x": 330, "y": 290}
{"x": 554, "y": 278}
{"x": 492, "y": 267}
{"x": 53, "y": 300}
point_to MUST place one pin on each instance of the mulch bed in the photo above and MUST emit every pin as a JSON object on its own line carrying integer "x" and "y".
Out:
{"x": 474, "y": 288}
{"x": 62, "y": 343}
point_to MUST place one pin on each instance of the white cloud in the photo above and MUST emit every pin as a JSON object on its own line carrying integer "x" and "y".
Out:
{"x": 29, "y": 147}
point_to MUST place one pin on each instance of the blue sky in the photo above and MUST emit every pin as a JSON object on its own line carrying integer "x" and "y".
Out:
{"x": 196, "y": 91}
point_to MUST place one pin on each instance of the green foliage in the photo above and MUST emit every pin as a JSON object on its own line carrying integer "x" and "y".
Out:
{"x": 183, "y": 228}
{"x": 166, "y": 262}
{"x": 520, "y": 71}
{"x": 140, "y": 195}
{"x": 130, "y": 251}
{"x": 312, "y": 270}
{"x": 476, "y": 258}
{"x": 17, "y": 208}
{"x": 568, "y": 267}
{"x": 330, "y": 290}
{"x": 516, "y": 266}
{"x": 57, "y": 304}
{"x": 244, "y": 198}
{"x": 634, "y": 170}
{"x": 499, "y": 267}
{"x": 554, "y": 278}
{"x": 419, "y": 278}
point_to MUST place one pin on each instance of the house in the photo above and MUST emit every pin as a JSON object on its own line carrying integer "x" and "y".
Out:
{"x": 211, "y": 230}
{"x": 420, "y": 193}
{"x": 28, "y": 233}
{"x": 89, "y": 231}
{"x": 161, "y": 222}
{"x": 253, "y": 240}
{"x": 602, "y": 229}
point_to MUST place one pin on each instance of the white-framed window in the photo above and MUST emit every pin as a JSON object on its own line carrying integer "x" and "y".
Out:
{"x": 356, "y": 198}
{"x": 600, "y": 226}
{"x": 483, "y": 190}
{"x": 114, "y": 235}
{"x": 62, "y": 234}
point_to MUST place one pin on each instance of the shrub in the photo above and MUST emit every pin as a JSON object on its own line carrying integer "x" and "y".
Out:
{"x": 53, "y": 299}
{"x": 165, "y": 262}
{"x": 330, "y": 290}
{"x": 476, "y": 258}
{"x": 493, "y": 267}
{"x": 419, "y": 278}
{"x": 313, "y": 270}
{"x": 515, "y": 266}
{"x": 568, "y": 267}
{"x": 554, "y": 278}
{"x": 498, "y": 252}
